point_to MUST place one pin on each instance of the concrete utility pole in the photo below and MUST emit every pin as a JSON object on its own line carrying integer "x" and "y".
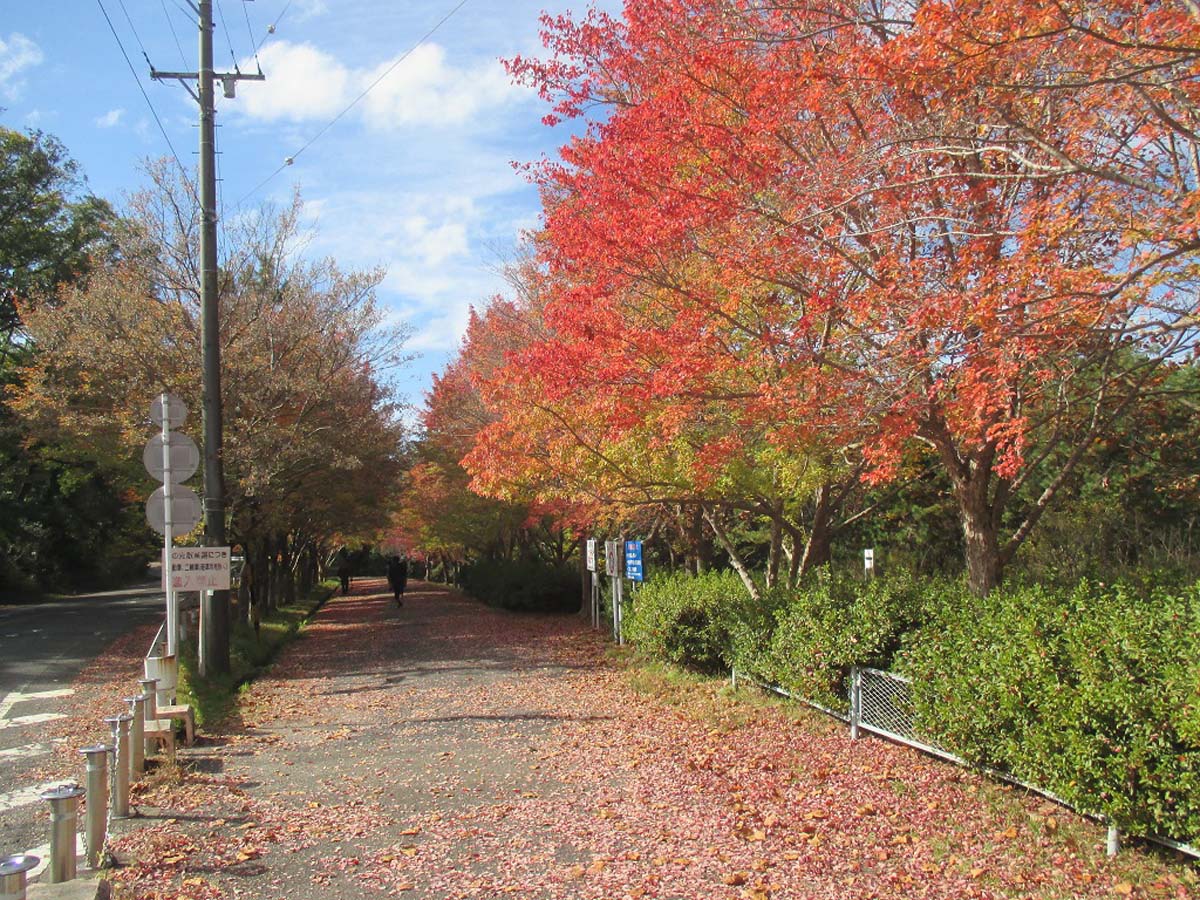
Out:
{"x": 214, "y": 609}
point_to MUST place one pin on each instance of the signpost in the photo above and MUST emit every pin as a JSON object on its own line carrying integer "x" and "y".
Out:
{"x": 199, "y": 569}
{"x": 172, "y": 458}
{"x": 595, "y": 579}
{"x": 633, "y": 561}
{"x": 614, "y": 568}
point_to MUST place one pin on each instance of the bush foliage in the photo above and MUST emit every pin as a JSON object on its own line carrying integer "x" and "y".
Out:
{"x": 1090, "y": 692}
{"x": 525, "y": 585}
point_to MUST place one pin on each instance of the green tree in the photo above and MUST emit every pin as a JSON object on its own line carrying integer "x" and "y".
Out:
{"x": 64, "y": 519}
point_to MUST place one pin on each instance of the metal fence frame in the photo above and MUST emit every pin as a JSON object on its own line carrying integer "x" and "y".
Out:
{"x": 881, "y": 703}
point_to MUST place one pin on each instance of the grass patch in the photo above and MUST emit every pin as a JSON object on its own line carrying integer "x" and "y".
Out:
{"x": 214, "y": 698}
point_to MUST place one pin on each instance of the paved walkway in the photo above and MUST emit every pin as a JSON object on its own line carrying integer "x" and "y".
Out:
{"x": 445, "y": 750}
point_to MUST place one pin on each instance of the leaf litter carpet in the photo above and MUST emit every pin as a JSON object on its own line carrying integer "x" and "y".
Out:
{"x": 446, "y": 750}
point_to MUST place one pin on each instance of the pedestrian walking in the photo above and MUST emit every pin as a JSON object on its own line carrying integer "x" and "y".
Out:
{"x": 343, "y": 572}
{"x": 397, "y": 575}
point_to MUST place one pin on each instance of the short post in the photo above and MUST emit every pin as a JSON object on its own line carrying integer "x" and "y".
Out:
{"x": 96, "y": 830}
{"x": 120, "y": 776}
{"x": 149, "y": 714}
{"x": 137, "y": 740}
{"x": 869, "y": 562}
{"x": 13, "y": 871}
{"x": 855, "y": 701}
{"x": 64, "y": 804}
{"x": 1113, "y": 843}
{"x": 733, "y": 678}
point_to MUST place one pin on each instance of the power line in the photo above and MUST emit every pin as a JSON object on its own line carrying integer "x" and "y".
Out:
{"x": 186, "y": 179}
{"x": 271, "y": 28}
{"x": 353, "y": 103}
{"x": 136, "y": 36}
{"x": 228, "y": 39}
{"x": 174, "y": 34}
{"x": 250, "y": 33}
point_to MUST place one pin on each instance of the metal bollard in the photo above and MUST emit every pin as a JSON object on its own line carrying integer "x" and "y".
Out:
{"x": 64, "y": 804}
{"x": 137, "y": 742}
{"x": 150, "y": 714}
{"x": 12, "y": 875}
{"x": 97, "y": 802}
{"x": 120, "y": 775}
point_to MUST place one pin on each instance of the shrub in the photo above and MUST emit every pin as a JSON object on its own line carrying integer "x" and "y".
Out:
{"x": 828, "y": 625}
{"x": 523, "y": 585}
{"x": 688, "y": 620}
{"x": 1088, "y": 693}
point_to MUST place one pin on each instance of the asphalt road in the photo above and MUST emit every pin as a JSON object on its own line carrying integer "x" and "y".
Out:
{"x": 43, "y": 646}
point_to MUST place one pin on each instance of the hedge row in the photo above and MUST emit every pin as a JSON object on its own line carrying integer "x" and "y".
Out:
{"x": 523, "y": 585}
{"x": 1093, "y": 693}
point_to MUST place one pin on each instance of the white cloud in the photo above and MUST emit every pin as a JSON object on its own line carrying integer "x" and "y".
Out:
{"x": 425, "y": 90}
{"x": 17, "y": 53}
{"x": 111, "y": 118}
{"x": 304, "y": 83}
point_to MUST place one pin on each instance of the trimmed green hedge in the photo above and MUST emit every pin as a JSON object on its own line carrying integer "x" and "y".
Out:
{"x": 1092, "y": 693}
{"x": 524, "y": 585}
{"x": 688, "y": 621}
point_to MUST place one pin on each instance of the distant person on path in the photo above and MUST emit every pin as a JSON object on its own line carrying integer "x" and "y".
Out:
{"x": 397, "y": 574}
{"x": 343, "y": 573}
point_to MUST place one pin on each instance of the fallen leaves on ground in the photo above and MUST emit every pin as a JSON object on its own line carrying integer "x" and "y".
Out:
{"x": 450, "y": 751}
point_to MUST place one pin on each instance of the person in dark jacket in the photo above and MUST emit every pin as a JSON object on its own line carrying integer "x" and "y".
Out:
{"x": 397, "y": 575}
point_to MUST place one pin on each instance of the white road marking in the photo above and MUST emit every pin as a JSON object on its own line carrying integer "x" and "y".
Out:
{"x": 30, "y": 720}
{"x": 25, "y": 751}
{"x": 25, "y": 796}
{"x": 12, "y": 698}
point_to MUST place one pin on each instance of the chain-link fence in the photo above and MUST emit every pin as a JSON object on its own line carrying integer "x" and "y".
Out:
{"x": 882, "y": 703}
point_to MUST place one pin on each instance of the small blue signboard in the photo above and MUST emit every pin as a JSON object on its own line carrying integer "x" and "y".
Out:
{"x": 633, "y": 561}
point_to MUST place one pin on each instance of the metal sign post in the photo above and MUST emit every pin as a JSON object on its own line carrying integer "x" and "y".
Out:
{"x": 595, "y": 580}
{"x": 613, "y": 568}
{"x": 173, "y": 509}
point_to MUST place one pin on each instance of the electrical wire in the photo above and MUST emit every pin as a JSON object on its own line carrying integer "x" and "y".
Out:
{"x": 136, "y": 36}
{"x": 174, "y": 34}
{"x": 271, "y": 28}
{"x": 186, "y": 178}
{"x": 250, "y": 34}
{"x": 228, "y": 39}
{"x": 353, "y": 103}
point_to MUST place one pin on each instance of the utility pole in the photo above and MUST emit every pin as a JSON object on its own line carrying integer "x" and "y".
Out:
{"x": 214, "y": 605}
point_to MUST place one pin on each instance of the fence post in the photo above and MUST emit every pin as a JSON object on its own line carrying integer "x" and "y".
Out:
{"x": 137, "y": 729}
{"x": 1113, "y": 843}
{"x": 855, "y": 701}
{"x": 64, "y": 803}
{"x": 120, "y": 775}
{"x": 149, "y": 713}
{"x": 13, "y": 871}
{"x": 97, "y": 802}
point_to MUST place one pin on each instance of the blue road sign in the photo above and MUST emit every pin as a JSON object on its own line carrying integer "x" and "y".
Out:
{"x": 633, "y": 561}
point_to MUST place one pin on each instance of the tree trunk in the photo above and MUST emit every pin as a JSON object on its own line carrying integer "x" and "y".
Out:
{"x": 818, "y": 546}
{"x": 775, "y": 552}
{"x": 734, "y": 559}
{"x": 984, "y": 568}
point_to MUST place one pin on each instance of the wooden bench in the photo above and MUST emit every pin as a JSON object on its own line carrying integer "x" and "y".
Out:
{"x": 159, "y": 733}
{"x": 181, "y": 711}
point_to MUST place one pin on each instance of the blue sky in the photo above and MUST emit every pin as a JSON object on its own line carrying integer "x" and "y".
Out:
{"x": 416, "y": 178}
